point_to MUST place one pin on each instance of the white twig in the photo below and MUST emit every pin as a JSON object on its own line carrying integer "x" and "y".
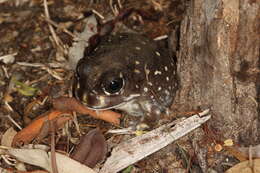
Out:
{"x": 14, "y": 122}
{"x": 157, "y": 6}
{"x": 160, "y": 37}
{"x": 119, "y": 4}
{"x": 122, "y": 131}
{"x": 47, "y": 15}
{"x": 31, "y": 64}
{"x": 203, "y": 113}
{"x": 113, "y": 7}
{"x": 5, "y": 72}
{"x": 98, "y": 14}
{"x": 8, "y": 58}
{"x": 139, "y": 147}
{"x": 44, "y": 67}
{"x": 6, "y": 159}
{"x": 63, "y": 29}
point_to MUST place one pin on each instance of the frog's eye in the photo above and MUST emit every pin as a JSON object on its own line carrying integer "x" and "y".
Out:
{"x": 113, "y": 86}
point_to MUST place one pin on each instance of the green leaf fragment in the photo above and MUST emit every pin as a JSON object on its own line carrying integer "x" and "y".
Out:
{"x": 128, "y": 169}
{"x": 25, "y": 89}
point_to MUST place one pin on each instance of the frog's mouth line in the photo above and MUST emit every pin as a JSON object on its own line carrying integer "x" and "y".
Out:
{"x": 95, "y": 102}
{"x": 107, "y": 108}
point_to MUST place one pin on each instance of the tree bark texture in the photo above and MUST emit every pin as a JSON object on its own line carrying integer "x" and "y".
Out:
{"x": 218, "y": 65}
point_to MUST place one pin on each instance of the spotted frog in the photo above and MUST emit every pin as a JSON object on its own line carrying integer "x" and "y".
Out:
{"x": 127, "y": 72}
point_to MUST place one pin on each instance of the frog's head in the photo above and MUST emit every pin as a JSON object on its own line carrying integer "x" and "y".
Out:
{"x": 103, "y": 84}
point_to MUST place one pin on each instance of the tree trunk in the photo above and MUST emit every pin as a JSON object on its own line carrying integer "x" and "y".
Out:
{"x": 218, "y": 65}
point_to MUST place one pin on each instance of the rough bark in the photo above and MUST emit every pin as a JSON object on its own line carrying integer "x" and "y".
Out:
{"x": 218, "y": 64}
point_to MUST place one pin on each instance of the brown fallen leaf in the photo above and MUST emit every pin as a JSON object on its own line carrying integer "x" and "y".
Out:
{"x": 7, "y": 137}
{"x": 91, "y": 149}
{"x": 71, "y": 104}
{"x": 27, "y": 134}
{"x": 64, "y": 105}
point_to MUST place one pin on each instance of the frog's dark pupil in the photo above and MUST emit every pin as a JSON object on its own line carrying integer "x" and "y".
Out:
{"x": 114, "y": 85}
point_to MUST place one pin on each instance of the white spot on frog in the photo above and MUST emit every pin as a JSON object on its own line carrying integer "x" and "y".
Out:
{"x": 157, "y": 72}
{"x": 167, "y": 78}
{"x": 137, "y": 71}
{"x": 150, "y": 83}
{"x": 157, "y": 53}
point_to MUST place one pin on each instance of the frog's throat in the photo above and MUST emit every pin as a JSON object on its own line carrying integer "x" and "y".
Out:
{"x": 103, "y": 106}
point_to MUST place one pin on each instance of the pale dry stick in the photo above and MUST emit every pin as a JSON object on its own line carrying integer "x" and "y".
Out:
{"x": 63, "y": 29}
{"x": 44, "y": 67}
{"x": 5, "y": 72}
{"x": 5, "y": 158}
{"x": 98, "y": 14}
{"x": 119, "y": 4}
{"x": 30, "y": 64}
{"x": 157, "y": 6}
{"x": 116, "y": 10}
{"x": 55, "y": 37}
{"x": 112, "y": 7}
{"x": 14, "y": 122}
{"x": 124, "y": 131}
{"x": 38, "y": 80}
{"x": 203, "y": 113}
{"x": 44, "y": 101}
{"x": 9, "y": 117}
{"x": 76, "y": 123}
{"x": 8, "y": 58}
{"x": 53, "y": 73}
{"x": 160, "y": 37}
{"x": 50, "y": 65}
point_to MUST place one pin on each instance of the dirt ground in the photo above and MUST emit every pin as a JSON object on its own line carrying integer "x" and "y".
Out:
{"x": 38, "y": 74}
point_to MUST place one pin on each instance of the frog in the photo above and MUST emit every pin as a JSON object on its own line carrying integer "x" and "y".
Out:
{"x": 128, "y": 72}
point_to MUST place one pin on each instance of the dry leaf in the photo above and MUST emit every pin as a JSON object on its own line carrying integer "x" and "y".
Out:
{"x": 8, "y": 137}
{"x": 27, "y": 134}
{"x": 43, "y": 159}
{"x": 244, "y": 167}
{"x": 91, "y": 149}
{"x": 71, "y": 104}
